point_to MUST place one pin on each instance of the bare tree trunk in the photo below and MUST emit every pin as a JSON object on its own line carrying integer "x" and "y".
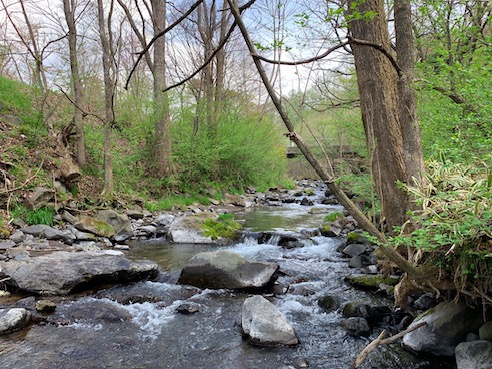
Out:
{"x": 325, "y": 173}
{"x": 162, "y": 139}
{"x": 225, "y": 21}
{"x": 69, "y": 9}
{"x": 206, "y": 24}
{"x": 412, "y": 141}
{"x": 109, "y": 87}
{"x": 379, "y": 103}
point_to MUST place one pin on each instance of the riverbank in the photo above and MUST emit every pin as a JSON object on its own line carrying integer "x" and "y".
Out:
{"x": 289, "y": 245}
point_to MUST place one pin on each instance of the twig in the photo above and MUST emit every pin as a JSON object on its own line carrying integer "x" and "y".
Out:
{"x": 25, "y": 183}
{"x": 84, "y": 113}
{"x": 5, "y": 279}
{"x": 362, "y": 356}
{"x": 380, "y": 341}
{"x": 305, "y": 61}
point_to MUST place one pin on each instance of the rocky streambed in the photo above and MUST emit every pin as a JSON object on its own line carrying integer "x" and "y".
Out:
{"x": 280, "y": 297}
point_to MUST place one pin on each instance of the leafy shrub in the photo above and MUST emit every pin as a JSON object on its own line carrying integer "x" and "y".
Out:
{"x": 239, "y": 150}
{"x": 453, "y": 229}
{"x": 223, "y": 227}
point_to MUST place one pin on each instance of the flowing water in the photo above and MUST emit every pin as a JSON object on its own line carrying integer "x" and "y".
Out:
{"x": 137, "y": 326}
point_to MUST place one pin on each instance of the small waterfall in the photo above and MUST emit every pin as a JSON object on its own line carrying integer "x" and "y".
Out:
{"x": 274, "y": 239}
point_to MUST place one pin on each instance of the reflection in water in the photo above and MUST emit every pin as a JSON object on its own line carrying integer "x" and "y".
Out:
{"x": 291, "y": 217}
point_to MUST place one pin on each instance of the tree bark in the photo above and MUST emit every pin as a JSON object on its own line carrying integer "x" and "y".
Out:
{"x": 379, "y": 102}
{"x": 109, "y": 87}
{"x": 412, "y": 141}
{"x": 69, "y": 9}
{"x": 162, "y": 138}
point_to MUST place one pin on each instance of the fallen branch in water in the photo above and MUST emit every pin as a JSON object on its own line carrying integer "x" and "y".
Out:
{"x": 380, "y": 340}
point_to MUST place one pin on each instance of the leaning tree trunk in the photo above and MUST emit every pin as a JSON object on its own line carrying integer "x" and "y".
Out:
{"x": 325, "y": 173}
{"x": 379, "y": 103}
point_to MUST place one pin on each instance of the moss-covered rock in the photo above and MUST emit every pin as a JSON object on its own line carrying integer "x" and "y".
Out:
{"x": 371, "y": 282}
{"x": 4, "y": 233}
{"x": 356, "y": 237}
{"x": 95, "y": 226}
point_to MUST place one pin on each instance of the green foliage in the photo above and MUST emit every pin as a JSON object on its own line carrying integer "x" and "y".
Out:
{"x": 455, "y": 99}
{"x": 223, "y": 227}
{"x": 176, "y": 202}
{"x": 18, "y": 100}
{"x": 238, "y": 150}
{"x": 44, "y": 215}
{"x": 453, "y": 229}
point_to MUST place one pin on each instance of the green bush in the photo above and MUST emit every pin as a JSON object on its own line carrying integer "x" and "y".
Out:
{"x": 223, "y": 227}
{"x": 44, "y": 215}
{"x": 453, "y": 229}
{"x": 240, "y": 150}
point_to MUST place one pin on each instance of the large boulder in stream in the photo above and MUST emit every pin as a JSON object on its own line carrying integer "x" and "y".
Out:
{"x": 61, "y": 272}
{"x": 120, "y": 222}
{"x": 226, "y": 269}
{"x": 188, "y": 229}
{"x": 447, "y": 324}
{"x": 264, "y": 324}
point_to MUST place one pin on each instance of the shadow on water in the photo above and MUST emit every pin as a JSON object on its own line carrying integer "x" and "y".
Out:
{"x": 137, "y": 326}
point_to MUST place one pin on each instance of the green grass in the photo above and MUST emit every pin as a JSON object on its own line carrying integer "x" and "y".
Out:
{"x": 171, "y": 202}
{"x": 44, "y": 215}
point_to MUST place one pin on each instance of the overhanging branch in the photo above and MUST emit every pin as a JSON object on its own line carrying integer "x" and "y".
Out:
{"x": 305, "y": 61}
{"x": 380, "y": 48}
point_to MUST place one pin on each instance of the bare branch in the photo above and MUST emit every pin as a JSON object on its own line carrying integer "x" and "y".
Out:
{"x": 306, "y": 61}
{"x": 160, "y": 34}
{"x": 379, "y": 48}
{"x": 207, "y": 61}
{"x": 380, "y": 341}
{"x": 84, "y": 113}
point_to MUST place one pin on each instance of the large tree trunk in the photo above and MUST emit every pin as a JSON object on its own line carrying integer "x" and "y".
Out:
{"x": 69, "y": 9}
{"x": 412, "y": 141}
{"x": 109, "y": 86}
{"x": 162, "y": 138}
{"x": 225, "y": 21}
{"x": 379, "y": 102}
{"x": 206, "y": 23}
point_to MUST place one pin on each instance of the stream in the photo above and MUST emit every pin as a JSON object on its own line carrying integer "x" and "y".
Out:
{"x": 137, "y": 326}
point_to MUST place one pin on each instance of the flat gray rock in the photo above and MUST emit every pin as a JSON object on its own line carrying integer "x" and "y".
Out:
{"x": 61, "y": 272}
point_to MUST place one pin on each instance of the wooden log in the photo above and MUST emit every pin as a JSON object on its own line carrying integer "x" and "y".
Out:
{"x": 69, "y": 170}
